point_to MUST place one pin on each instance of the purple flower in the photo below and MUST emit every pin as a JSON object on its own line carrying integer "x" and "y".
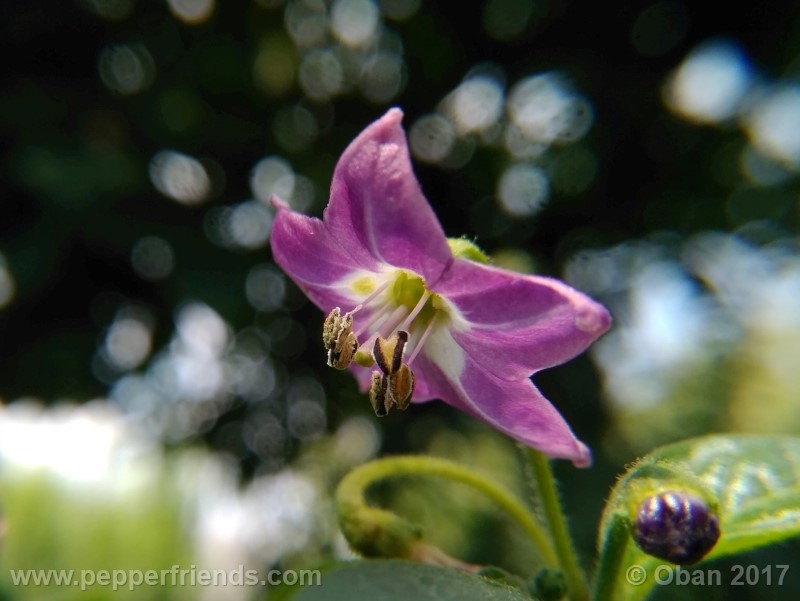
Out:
{"x": 414, "y": 316}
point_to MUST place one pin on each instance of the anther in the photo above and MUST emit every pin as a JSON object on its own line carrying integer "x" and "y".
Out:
{"x": 338, "y": 339}
{"x": 379, "y": 394}
{"x": 388, "y": 353}
{"x": 386, "y": 330}
{"x": 401, "y": 386}
{"x": 397, "y": 379}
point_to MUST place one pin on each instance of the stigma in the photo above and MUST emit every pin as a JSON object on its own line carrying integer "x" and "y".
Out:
{"x": 399, "y": 314}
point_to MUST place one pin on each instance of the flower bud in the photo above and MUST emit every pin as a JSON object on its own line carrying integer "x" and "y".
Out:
{"x": 548, "y": 584}
{"x": 677, "y": 527}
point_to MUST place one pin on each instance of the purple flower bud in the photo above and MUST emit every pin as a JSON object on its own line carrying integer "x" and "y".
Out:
{"x": 675, "y": 526}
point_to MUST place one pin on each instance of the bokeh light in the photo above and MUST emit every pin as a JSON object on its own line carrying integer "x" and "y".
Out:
{"x": 696, "y": 345}
{"x": 180, "y": 177}
{"x": 126, "y": 68}
{"x": 382, "y": 77}
{"x": 306, "y": 22}
{"x": 246, "y": 225}
{"x": 668, "y": 324}
{"x": 523, "y": 189}
{"x": 265, "y": 288}
{"x": 128, "y": 341}
{"x": 711, "y": 83}
{"x": 152, "y": 258}
{"x": 357, "y": 440}
{"x": 354, "y": 22}
{"x": 79, "y": 444}
{"x": 773, "y": 124}
{"x": 432, "y": 138}
{"x": 475, "y": 105}
{"x": 274, "y": 176}
{"x": 547, "y": 111}
{"x": 192, "y": 12}
{"x": 321, "y": 74}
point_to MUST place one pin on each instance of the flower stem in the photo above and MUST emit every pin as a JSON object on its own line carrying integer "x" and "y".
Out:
{"x": 611, "y": 557}
{"x": 351, "y": 503}
{"x": 546, "y": 487}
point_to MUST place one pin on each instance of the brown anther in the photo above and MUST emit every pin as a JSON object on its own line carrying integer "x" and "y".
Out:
{"x": 397, "y": 376}
{"x": 333, "y": 327}
{"x": 388, "y": 353}
{"x": 401, "y": 386}
{"x": 341, "y": 356}
{"x": 379, "y": 396}
{"x": 338, "y": 339}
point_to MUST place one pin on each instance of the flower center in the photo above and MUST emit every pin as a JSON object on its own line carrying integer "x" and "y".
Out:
{"x": 403, "y": 314}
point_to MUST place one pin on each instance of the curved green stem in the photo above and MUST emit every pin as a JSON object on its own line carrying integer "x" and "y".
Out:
{"x": 611, "y": 557}
{"x": 352, "y": 507}
{"x": 546, "y": 486}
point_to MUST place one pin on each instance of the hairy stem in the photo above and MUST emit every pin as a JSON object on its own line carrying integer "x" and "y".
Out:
{"x": 611, "y": 557}
{"x": 567, "y": 560}
{"x": 361, "y": 522}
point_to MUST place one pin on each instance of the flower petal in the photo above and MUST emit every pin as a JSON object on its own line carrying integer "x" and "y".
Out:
{"x": 377, "y": 207}
{"x": 517, "y": 408}
{"x": 518, "y": 324}
{"x": 312, "y": 257}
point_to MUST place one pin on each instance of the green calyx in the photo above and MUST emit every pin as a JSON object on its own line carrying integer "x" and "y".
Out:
{"x": 467, "y": 249}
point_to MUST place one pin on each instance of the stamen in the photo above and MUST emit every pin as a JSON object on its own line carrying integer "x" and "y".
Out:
{"x": 401, "y": 386}
{"x": 388, "y": 328}
{"x": 338, "y": 339}
{"x": 394, "y": 320}
{"x": 388, "y": 353}
{"x": 415, "y": 311}
{"x": 378, "y": 315}
{"x": 379, "y": 394}
{"x": 397, "y": 356}
{"x": 372, "y": 295}
{"x": 421, "y": 342}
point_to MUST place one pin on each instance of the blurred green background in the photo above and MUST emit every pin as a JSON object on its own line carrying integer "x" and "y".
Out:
{"x": 156, "y": 364}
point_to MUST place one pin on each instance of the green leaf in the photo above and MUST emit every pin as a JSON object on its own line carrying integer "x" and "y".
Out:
{"x": 396, "y": 580}
{"x": 753, "y": 482}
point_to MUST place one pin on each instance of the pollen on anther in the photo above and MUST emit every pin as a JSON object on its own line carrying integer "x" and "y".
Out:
{"x": 378, "y": 394}
{"x": 388, "y": 353}
{"x": 401, "y": 386}
{"x": 338, "y": 339}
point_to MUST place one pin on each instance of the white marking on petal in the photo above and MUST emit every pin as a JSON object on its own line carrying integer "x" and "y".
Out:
{"x": 444, "y": 351}
{"x": 349, "y": 285}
